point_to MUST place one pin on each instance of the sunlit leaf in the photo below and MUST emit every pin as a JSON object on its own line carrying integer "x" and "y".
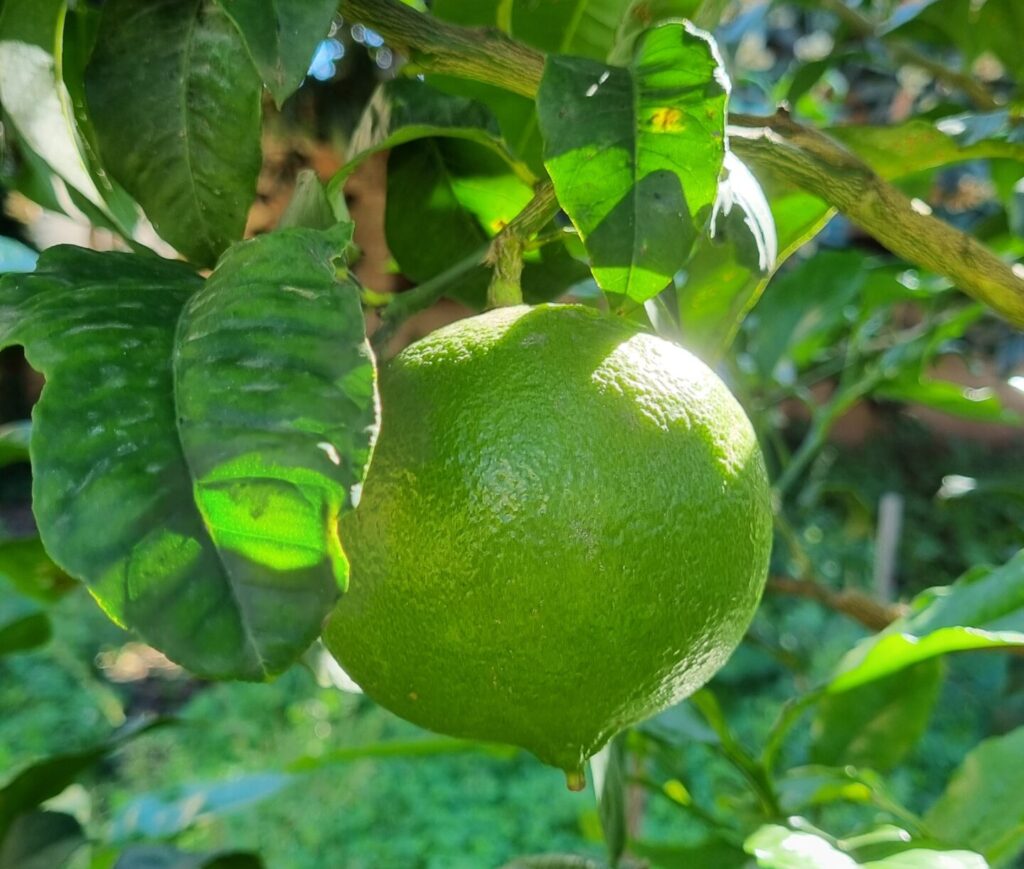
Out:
{"x": 635, "y": 154}
{"x": 984, "y": 609}
{"x": 178, "y": 118}
{"x": 281, "y": 37}
{"x": 778, "y": 847}
{"x": 196, "y": 490}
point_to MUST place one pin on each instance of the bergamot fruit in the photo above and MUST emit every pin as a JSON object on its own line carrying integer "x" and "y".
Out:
{"x": 565, "y": 529}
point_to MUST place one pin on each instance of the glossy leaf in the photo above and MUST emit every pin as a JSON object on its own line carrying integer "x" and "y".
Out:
{"x": 33, "y": 92}
{"x": 40, "y": 840}
{"x": 777, "y": 847}
{"x": 984, "y": 609}
{"x": 876, "y": 725}
{"x": 178, "y": 118}
{"x": 202, "y": 511}
{"x": 281, "y": 37}
{"x": 983, "y": 804}
{"x": 168, "y": 857}
{"x": 635, "y": 154}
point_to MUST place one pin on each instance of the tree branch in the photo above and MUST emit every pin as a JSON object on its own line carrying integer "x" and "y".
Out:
{"x": 807, "y": 158}
{"x": 820, "y": 165}
{"x": 505, "y": 255}
{"x": 854, "y": 604}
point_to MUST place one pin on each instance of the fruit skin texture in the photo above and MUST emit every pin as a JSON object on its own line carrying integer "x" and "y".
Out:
{"x": 565, "y": 529}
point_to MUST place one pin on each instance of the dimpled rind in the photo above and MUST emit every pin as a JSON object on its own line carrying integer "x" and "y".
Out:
{"x": 565, "y": 529}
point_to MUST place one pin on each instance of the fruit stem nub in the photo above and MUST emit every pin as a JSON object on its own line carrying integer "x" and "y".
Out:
{"x": 575, "y": 779}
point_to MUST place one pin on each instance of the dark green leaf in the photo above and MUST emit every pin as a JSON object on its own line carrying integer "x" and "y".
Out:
{"x": 178, "y": 118}
{"x": 984, "y": 609}
{"x": 197, "y": 491}
{"x": 164, "y": 816}
{"x": 462, "y": 195}
{"x": 281, "y": 37}
{"x": 25, "y": 565}
{"x": 40, "y": 840}
{"x": 582, "y": 28}
{"x": 24, "y": 624}
{"x": 168, "y": 857}
{"x": 22, "y": 790}
{"x": 635, "y": 154}
{"x": 877, "y": 724}
{"x": 983, "y": 804}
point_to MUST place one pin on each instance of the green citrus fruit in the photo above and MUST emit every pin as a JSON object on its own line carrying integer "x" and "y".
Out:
{"x": 565, "y": 528}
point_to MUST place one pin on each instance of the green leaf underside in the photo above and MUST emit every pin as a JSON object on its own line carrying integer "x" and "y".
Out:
{"x": 635, "y": 154}
{"x": 194, "y": 443}
{"x": 406, "y": 110}
{"x": 984, "y": 609}
{"x": 281, "y": 36}
{"x": 33, "y": 93}
{"x": 178, "y": 118}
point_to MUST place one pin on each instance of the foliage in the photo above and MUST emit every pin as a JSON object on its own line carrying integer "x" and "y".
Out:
{"x": 206, "y": 423}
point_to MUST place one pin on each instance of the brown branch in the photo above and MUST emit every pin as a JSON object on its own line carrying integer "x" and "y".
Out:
{"x": 805, "y": 157}
{"x": 854, "y": 604}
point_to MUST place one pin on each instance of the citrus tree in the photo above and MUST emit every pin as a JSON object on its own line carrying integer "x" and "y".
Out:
{"x": 548, "y": 524}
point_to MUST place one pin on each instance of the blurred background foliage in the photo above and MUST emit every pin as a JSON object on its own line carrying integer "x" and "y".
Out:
{"x": 876, "y": 382}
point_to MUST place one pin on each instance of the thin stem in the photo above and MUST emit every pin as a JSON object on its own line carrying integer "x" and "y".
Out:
{"x": 860, "y": 607}
{"x": 506, "y": 251}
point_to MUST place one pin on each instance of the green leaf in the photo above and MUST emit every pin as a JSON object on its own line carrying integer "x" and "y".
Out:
{"x": 310, "y": 206}
{"x": 984, "y": 609}
{"x": 22, "y": 790}
{"x": 405, "y": 110}
{"x": 582, "y": 28}
{"x": 281, "y": 37}
{"x": 952, "y": 398}
{"x": 26, "y": 567}
{"x": 877, "y": 724}
{"x": 169, "y": 857}
{"x": 920, "y": 858}
{"x": 178, "y": 118}
{"x": 777, "y": 847}
{"x": 713, "y": 852}
{"x": 40, "y": 840}
{"x": 24, "y": 624}
{"x": 33, "y": 92}
{"x": 640, "y": 15}
{"x": 635, "y": 154}
{"x": 983, "y": 804}
{"x": 899, "y": 150}
{"x": 554, "y": 861}
{"x": 461, "y": 196}
{"x": 197, "y": 493}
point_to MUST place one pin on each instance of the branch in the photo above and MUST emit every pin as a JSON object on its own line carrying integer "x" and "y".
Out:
{"x": 820, "y": 165}
{"x": 482, "y": 54}
{"x": 855, "y": 604}
{"x": 506, "y": 251}
{"x": 805, "y": 157}
{"x": 865, "y": 28}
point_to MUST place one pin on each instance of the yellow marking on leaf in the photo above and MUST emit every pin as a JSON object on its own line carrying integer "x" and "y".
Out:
{"x": 667, "y": 120}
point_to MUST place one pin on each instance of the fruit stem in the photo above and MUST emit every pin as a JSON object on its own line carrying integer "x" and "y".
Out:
{"x": 508, "y": 246}
{"x": 575, "y": 779}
